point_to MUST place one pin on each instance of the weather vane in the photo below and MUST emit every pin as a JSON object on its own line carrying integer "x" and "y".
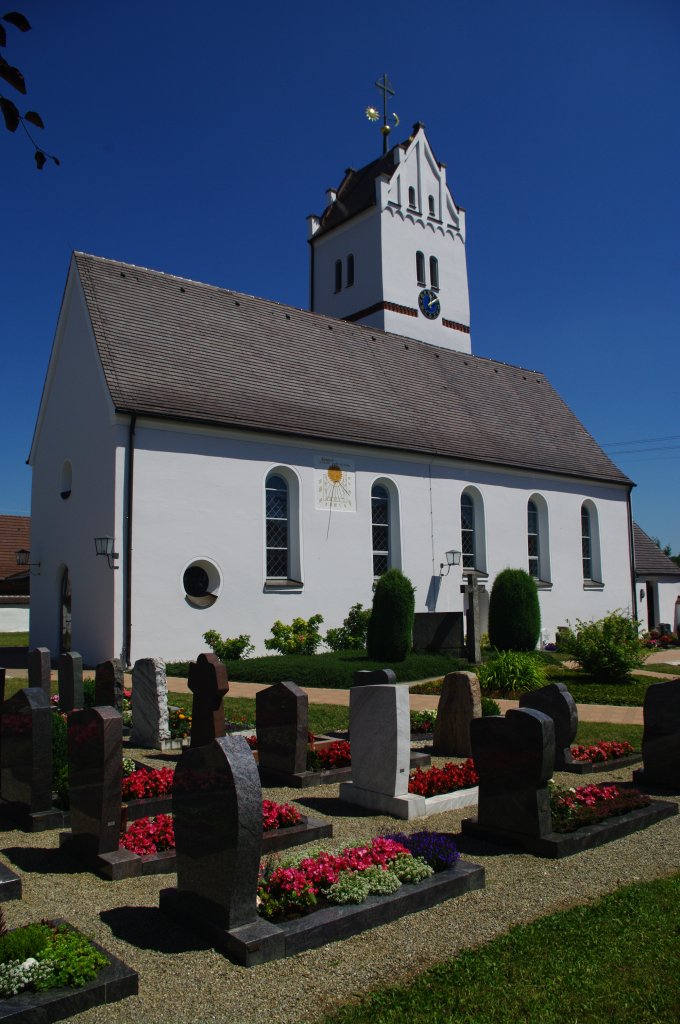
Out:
{"x": 373, "y": 114}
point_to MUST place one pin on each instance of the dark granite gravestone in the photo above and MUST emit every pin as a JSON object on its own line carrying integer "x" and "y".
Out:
{"x": 281, "y": 723}
{"x": 95, "y": 752}
{"x": 209, "y": 683}
{"x": 661, "y": 736}
{"x": 109, "y": 683}
{"x": 26, "y": 759}
{"x": 557, "y": 703}
{"x": 2, "y": 688}
{"x": 39, "y": 669}
{"x": 377, "y": 677}
{"x": 459, "y": 703}
{"x": 70, "y": 681}
{"x": 438, "y": 632}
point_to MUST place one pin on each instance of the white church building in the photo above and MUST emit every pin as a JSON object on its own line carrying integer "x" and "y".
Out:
{"x": 244, "y": 461}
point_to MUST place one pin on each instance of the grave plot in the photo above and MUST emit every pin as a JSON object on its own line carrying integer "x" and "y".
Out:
{"x": 381, "y": 758}
{"x": 661, "y": 737}
{"x": 557, "y": 703}
{"x": 514, "y": 758}
{"x": 218, "y": 864}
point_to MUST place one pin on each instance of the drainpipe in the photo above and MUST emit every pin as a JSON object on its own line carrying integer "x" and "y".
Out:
{"x": 632, "y": 551}
{"x": 130, "y": 463}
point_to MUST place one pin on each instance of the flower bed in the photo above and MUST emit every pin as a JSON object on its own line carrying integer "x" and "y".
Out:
{"x": 603, "y": 750}
{"x": 422, "y": 722}
{"x": 574, "y": 808}
{"x": 435, "y": 781}
{"x": 147, "y": 782}
{"x": 335, "y": 755}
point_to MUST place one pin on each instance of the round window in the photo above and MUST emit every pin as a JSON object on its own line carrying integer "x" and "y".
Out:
{"x": 202, "y": 582}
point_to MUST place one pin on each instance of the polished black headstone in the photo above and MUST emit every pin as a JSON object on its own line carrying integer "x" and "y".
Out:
{"x": 375, "y": 677}
{"x": 557, "y": 703}
{"x": 39, "y": 669}
{"x": 209, "y": 683}
{"x": 514, "y": 758}
{"x": 282, "y": 726}
{"x": 661, "y": 735}
{"x": 26, "y": 746}
{"x": 95, "y": 753}
{"x": 438, "y": 632}
{"x": 70, "y": 681}
{"x": 109, "y": 683}
{"x": 217, "y": 809}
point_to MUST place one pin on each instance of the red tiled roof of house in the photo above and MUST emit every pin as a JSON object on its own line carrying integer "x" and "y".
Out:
{"x": 15, "y": 533}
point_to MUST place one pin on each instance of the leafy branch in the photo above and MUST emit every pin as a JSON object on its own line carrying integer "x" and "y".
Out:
{"x": 13, "y": 76}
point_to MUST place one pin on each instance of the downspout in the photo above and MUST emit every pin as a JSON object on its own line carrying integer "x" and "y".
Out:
{"x": 130, "y": 464}
{"x": 632, "y": 551}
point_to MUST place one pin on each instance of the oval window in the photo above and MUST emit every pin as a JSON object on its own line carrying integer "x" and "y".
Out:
{"x": 202, "y": 582}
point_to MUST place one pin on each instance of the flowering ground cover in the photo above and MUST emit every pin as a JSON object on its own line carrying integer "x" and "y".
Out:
{"x": 602, "y": 750}
{"x": 423, "y": 721}
{"x": 147, "y": 782}
{"x": 435, "y": 781}
{"x": 573, "y": 808}
{"x": 379, "y": 868}
{"x": 44, "y": 956}
{"x": 335, "y": 755}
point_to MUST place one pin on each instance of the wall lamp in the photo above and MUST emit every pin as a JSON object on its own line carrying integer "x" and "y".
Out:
{"x": 104, "y": 546}
{"x": 23, "y": 557}
{"x": 452, "y": 558}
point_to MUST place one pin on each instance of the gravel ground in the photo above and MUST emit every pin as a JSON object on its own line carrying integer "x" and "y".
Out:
{"x": 182, "y": 981}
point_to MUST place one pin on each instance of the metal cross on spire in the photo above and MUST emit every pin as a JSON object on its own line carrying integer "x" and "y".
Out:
{"x": 385, "y": 87}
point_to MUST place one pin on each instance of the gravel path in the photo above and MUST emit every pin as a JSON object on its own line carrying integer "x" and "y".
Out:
{"x": 184, "y": 982}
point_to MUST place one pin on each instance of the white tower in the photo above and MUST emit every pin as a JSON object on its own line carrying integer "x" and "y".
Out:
{"x": 389, "y": 249}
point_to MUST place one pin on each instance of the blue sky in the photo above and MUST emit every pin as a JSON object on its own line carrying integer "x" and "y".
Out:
{"x": 196, "y": 139}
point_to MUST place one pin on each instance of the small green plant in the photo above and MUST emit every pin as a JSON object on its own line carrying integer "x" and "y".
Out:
{"x": 510, "y": 672}
{"x": 423, "y": 721}
{"x": 351, "y": 887}
{"x": 230, "y": 649}
{"x": 351, "y": 636}
{"x": 88, "y": 693}
{"x": 489, "y": 707}
{"x": 301, "y": 637}
{"x": 514, "y": 612}
{"x": 608, "y": 649}
{"x": 390, "y": 629}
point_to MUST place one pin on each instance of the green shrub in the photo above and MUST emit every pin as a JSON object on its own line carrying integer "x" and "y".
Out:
{"x": 608, "y": 649}
{"x": 510, "y": 672}
{"x": 390, "y": 629}
{"x": 514, "y": 612}
{"x": 88, "y": 693}
{"x": 232, "y": 649}
{"x": 351, "y": 636}
{"x": 23, "y": 942}
{"x": 301, "y": 637}
{"x": 489, "y": 707}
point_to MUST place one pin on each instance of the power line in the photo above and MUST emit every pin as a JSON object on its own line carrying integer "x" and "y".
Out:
{"x": 641, "y": 440}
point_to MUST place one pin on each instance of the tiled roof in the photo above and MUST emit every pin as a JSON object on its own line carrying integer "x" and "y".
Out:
{"x": 649, "y": 558}
{"x": 15, "y": 533}
{"x": 356, "y": 191}
{"x": 178, "y": 349}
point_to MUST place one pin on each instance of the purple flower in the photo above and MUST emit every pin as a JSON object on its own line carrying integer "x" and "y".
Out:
{"x": 437, "y": 848}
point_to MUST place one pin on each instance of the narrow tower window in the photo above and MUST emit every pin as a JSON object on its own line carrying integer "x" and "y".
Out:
{"x": 338, "y": 275}
{"x": 380, "y": 527}
{"x": 434, "y": 271}
{"x": 412, "y": 197}
{"x": 276, "y": 513}
{"x": 467, "y": 530}
{"x": 420, "y": 268}
{"x": 430, "y": 205}
{"x": 586, "y": 543}
{"x": 532, "y": 539}
{"x": 350, "y": 270}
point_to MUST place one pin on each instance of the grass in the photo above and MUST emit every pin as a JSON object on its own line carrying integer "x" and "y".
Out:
{"x": 657, "y": 666}
{"x": 335, "y": 670}
{"x": 590, "y": 732}
{"x": 13, "y": 639}
{"x": 615, "y": 959}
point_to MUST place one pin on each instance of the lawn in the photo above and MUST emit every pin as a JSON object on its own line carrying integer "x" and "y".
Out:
{"x": 13, "y": 639}
{"x": 615, "y": 959}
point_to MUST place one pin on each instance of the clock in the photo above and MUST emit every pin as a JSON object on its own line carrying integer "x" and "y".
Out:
{"x": 429, "y": 304}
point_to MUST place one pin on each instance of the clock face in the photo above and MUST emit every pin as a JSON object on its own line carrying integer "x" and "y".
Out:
{"x": 429, "y": 304}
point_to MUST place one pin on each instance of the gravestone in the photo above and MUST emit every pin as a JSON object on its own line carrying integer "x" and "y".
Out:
{"x": 150, "y": 716}
{"x": 70, "y": 681}
{"x": 217, "y": 810}
{"x": 2, "y": 688}
{"x": 514, "y": 758}
{"x": 39, "y": 669}
{"x": 282, "y": 726}
{"x": 557, "y": 703}
{"x": 661, "y": 736}
{"x": 440, "y": 632}
{"x": 376, "y": 677}
{"x": 95, "y": 752}
{"x": 459, "y": 703}
{"x": 209, "y": 684}
{"x": 26, "y": 760}
{"x": 109, "y": 684}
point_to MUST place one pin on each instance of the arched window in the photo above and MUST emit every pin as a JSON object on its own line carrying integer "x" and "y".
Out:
{"x": 66, "y": 480}
{"x": 412, "y": 197}
{"x": 434, "y": 272}
{"x": 533, "y": 539}
{"x": 420, "y": 268}
{"x": 380, "y": 529}
{"x": 350, "y": 270}
{"x": 590, "y": 544}
{"x": 430, "y": 205}
{"x": 276, "y": 512}
{"x": 467, "y": 530}
{"x": 338, "y": 275}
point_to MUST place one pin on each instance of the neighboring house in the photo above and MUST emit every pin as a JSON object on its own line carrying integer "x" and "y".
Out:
{"x": 249, "y": 461}
{"x": 15, "y": 534}
{"x": 658, "y": 583}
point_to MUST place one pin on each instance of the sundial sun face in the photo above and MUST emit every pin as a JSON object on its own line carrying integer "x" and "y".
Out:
{"x": 334, "y": 474}
{"x": 334, "y": 483}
